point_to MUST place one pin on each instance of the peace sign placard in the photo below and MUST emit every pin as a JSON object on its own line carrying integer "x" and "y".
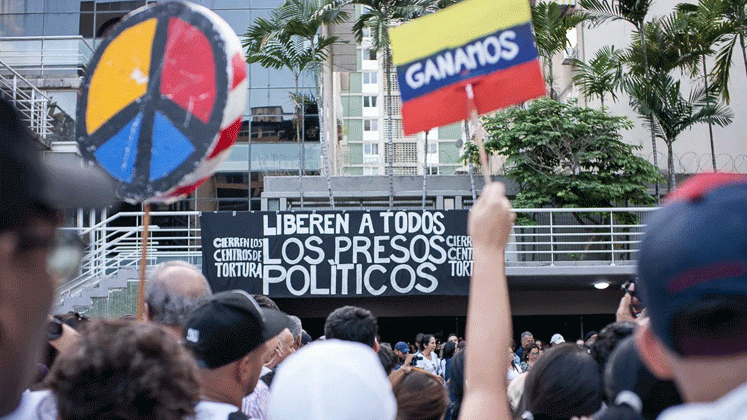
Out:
{"x": 162, "y": 101}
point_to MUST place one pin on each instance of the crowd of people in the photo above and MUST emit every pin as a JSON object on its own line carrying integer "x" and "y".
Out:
{"x": 230, "y": 355}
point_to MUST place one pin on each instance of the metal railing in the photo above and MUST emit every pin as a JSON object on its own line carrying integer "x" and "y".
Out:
{"x": 29, "y": 100}
{"x": 577, "y": 236}
{"x": 46, "y": 54}
{"x": 111, "y": 248}
{"x": 542, "y": 237}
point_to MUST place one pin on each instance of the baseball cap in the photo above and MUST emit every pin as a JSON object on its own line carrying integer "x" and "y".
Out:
{"x": 342, "y": 380}
{"x": 29, "y": 181}
{"x": 402, "y": 346}
{"x": 692, "y": 267}
{"x": 557, "y": 339}
{"x": 229, "y": 326}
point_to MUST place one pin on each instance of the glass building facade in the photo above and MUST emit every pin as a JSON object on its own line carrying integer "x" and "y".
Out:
{"x": 49, "y": 43}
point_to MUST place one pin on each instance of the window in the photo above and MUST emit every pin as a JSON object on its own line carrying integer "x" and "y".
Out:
{"x": 366, "y": 32}
{"x": 369, "y": 54}
{"x": 370, "y": 149}
{"x": 370, "y": 170}
{"x": 370, "y": 78}
{"x": 369, "y": 102}
{"x": 432, "y": 148}
{"x": 433, "y": 170}
{"x": 370, "y": 125}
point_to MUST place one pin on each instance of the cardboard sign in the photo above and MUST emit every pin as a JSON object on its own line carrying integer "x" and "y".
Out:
{"x": 338, "y": 253}
{"x": 486, "y": 43}
{"x": 162, "y": 100}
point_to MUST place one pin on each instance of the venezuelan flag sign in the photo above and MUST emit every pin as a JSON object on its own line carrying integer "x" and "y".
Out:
{"x": 486, "y": 43}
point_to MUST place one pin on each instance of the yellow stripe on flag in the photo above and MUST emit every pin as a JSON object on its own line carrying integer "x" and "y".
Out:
{"x": 457, "y": 25}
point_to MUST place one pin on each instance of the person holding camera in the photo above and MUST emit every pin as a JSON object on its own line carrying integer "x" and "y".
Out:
{"x": 427, "y": 359}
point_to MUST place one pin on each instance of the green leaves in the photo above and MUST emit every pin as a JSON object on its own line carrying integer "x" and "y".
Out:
{"x": 602, "y": 75}
{"x": 563, "y": 155}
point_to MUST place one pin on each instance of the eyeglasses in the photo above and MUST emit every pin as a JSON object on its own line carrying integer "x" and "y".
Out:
{"x": 64, "y": 252}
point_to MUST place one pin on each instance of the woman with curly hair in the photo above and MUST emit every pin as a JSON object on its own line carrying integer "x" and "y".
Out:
{"x": 127, "y": 371}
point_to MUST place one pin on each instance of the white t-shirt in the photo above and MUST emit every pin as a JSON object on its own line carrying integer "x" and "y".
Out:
{"x": 432, "y": 365}
{"x": 210, "y": 410}
{"x": 732, "y": 406}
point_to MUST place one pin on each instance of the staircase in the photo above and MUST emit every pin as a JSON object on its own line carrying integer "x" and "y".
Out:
{"x": 35, "y": 107}
{"x": 109, "y": 273}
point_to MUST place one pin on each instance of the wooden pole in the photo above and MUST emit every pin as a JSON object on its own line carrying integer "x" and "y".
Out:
{"x": 143, "y": 263}
{"x": 478, "y": 133}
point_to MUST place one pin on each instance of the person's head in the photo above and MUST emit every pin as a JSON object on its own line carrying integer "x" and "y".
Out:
{"x": 564, "y": 383}
{"x": 453, "y": 338}
{"x": 265, "y": 302}
{"x": 427, "y": 343}
{"x": 332, "y": 380}
{"x": 174, "y": 289}
{"x": 401, "y": 349}
{"x": 420, "y": 395}
{"x": 418, "y": 340}
{"x": 386, "y": 357}
{"x": 526, "y": 338}
{"x": 33, "y": 255}
{"x": 627, "y": 381}
{"x": 540, "y": 345}
{"x": 461, "y": 346}
{"x": 556, "y": 339}
{"x": 607, "y": 339}
{"x": 228, "y": 337}
{"x": 692, "y": 275}
{"x": 125, "y": 370}
{"x": 351, "y": 323}
{"x": 295, "y": 329}
{"x": 448, "y": 350}
{"x": 531, "y": 353}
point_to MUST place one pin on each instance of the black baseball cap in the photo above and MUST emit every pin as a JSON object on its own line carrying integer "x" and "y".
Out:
{"x": 28, "y": 181}
{"x": 228, "y": 327}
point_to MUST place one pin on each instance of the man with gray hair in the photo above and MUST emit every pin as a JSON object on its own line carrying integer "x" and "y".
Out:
{"x": 526, "y": 339}
{"x": 174, "y": 289}
{"x": 296, "y": 329}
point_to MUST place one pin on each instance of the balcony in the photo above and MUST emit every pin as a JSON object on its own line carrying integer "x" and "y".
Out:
{"x": 46, "y": 55}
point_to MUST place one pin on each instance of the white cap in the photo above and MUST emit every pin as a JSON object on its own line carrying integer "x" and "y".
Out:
{"x": 332, "y": 380}
{"x": 557, "y": 339}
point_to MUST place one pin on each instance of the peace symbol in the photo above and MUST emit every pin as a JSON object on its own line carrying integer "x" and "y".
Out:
{"x": 152, "y": 101}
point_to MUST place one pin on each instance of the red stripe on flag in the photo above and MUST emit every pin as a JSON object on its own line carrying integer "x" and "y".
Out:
{"x": 496, "y": 90}
{"x": 227, "y": 137}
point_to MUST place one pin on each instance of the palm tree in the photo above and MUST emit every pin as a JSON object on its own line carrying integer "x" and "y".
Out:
{"x": 602, "y": 75}
{"x": 633, "y": 12}
{"x": 700, "y": 30}
{"x": 551, "y": 24}
{"x": 304, "y": 20}
{"x": 734, "y": 27}
{"x": 658, "y": 98}
{"x": 293, "y": 53}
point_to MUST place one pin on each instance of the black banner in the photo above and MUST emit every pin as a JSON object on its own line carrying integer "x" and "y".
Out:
{"x": 338, "y": 253}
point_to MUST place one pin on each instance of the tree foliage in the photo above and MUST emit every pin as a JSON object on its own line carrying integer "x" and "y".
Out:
{"x": 563, "y": 155}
